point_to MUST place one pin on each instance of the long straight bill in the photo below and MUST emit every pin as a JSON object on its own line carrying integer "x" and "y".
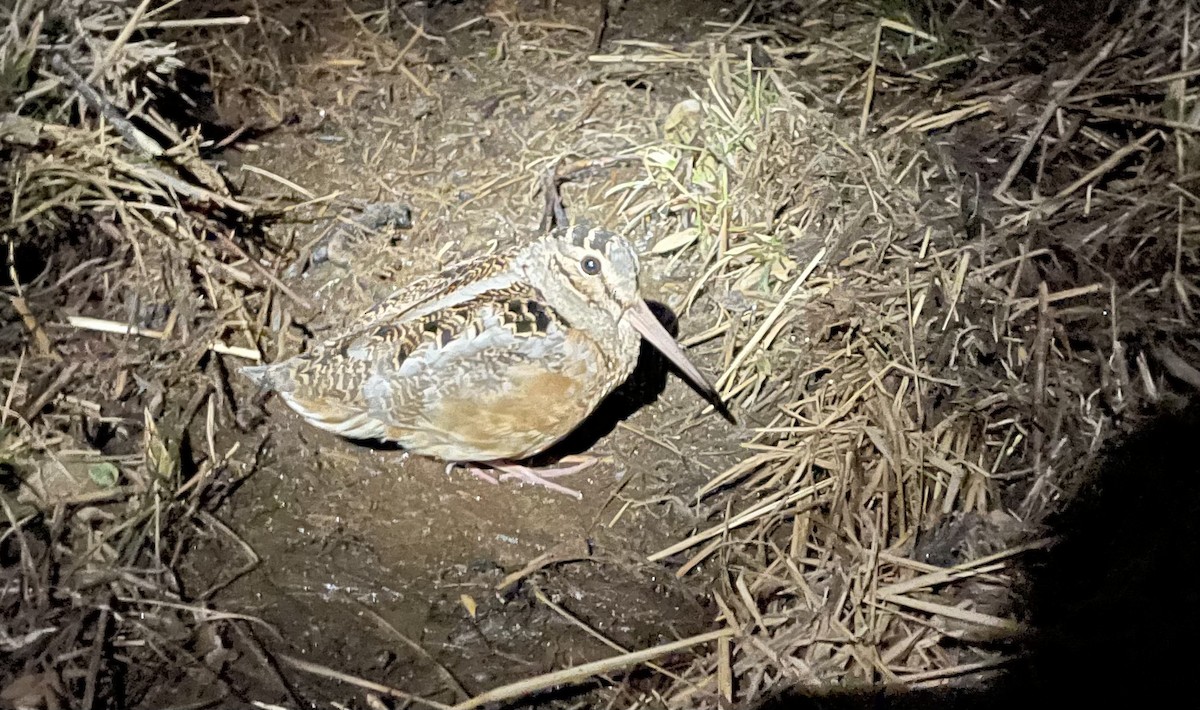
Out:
{"x": 647, "y": 324}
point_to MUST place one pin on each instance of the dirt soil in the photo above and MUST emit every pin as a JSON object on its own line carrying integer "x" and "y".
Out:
{"x": 361, "y": 546}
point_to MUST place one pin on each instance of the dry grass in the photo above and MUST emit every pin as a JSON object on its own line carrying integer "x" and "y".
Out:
{"x": 847, "y": 303}
{"x": 938, "y": 381}
{"x": 103, "y": 512}
{"x": 928, "y": 361}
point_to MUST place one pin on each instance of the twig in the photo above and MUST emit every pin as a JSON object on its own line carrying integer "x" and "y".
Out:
{"x": 541, "y": 597}
{"x": 754, "y": 513}
{"x": 179, "y": 24}
{"x": 279, "y": 179}
{"x": 1048, "y": 113}
{"x": 952, "y": 612}
{"x": 1041, "y": 349}
{"x": 134, "y": 137}
{"x": 250, "y": 564}
{"x": 109, "y": 326}
{"x": 574, "y": 169}
{"x": 266, "y": 659}
{"x": 924, "y": 678}
{"x": 35, "y": 329}
{"x": 12, "y": 389}
{"x": 60, "y": 381}
{"x": 263, "y": 272}
{"x": 767, "y": 323}
{"x": 601, "y": 25}
{"x": 725, "y": 670}
{"x": 154, "y": 176}
{"x": 578, "y": 674}
{"x": 1136, "y": 118}
{"x": 119, "y": 43}
{"x": 1055, "y": 203}
{"x": 870, "y": 82}
{"x": 317, "y": 669}
{"x": 444, "y": 672}
{"x": 554, "y": 214}
{"x": 572, "y": 550}
{"x": 93, "y": 671}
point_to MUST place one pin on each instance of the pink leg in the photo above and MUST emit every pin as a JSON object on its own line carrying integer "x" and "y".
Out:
{"x": 528, "y": 475}
{"x": 582, "y": 462}
{"x": 538, "y": 477}
{"x": 475, "y": 471}
{"x": 509, "y": 470}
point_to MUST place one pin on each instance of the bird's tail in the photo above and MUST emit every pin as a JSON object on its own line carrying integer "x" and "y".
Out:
{"x": 259, "y": 374}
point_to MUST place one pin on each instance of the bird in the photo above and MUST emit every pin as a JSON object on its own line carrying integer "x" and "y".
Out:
{"x": 490, "y": 361}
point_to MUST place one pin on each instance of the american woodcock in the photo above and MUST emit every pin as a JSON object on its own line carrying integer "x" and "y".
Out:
{"x": 489, "y": 362}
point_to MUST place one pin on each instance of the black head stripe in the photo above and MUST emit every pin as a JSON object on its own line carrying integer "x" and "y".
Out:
{"x": 590, "y": 238}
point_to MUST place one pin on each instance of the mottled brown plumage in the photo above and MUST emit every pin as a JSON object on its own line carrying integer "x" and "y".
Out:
{"x": 489, "y": 362}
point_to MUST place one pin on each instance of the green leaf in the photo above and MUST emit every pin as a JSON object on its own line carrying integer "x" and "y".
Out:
{"x": 104, "y": 474}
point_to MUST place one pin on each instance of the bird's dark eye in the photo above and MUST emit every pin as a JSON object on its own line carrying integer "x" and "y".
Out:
{"x": 590, "y": 265}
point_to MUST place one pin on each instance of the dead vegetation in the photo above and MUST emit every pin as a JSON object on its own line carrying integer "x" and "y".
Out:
{"x": 936, "y": 258}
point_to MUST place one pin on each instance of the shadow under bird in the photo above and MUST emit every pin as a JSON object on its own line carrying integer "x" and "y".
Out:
{"x": 489, "y": 362}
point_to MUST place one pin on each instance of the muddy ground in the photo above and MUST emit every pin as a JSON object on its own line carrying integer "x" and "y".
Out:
{"x": 924, "y": 349}
{"x": 361, "y": 544}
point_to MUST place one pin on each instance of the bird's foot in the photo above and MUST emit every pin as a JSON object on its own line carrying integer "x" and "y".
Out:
{"x": 475, "y": 470}
{"x": 538, "y": 477}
